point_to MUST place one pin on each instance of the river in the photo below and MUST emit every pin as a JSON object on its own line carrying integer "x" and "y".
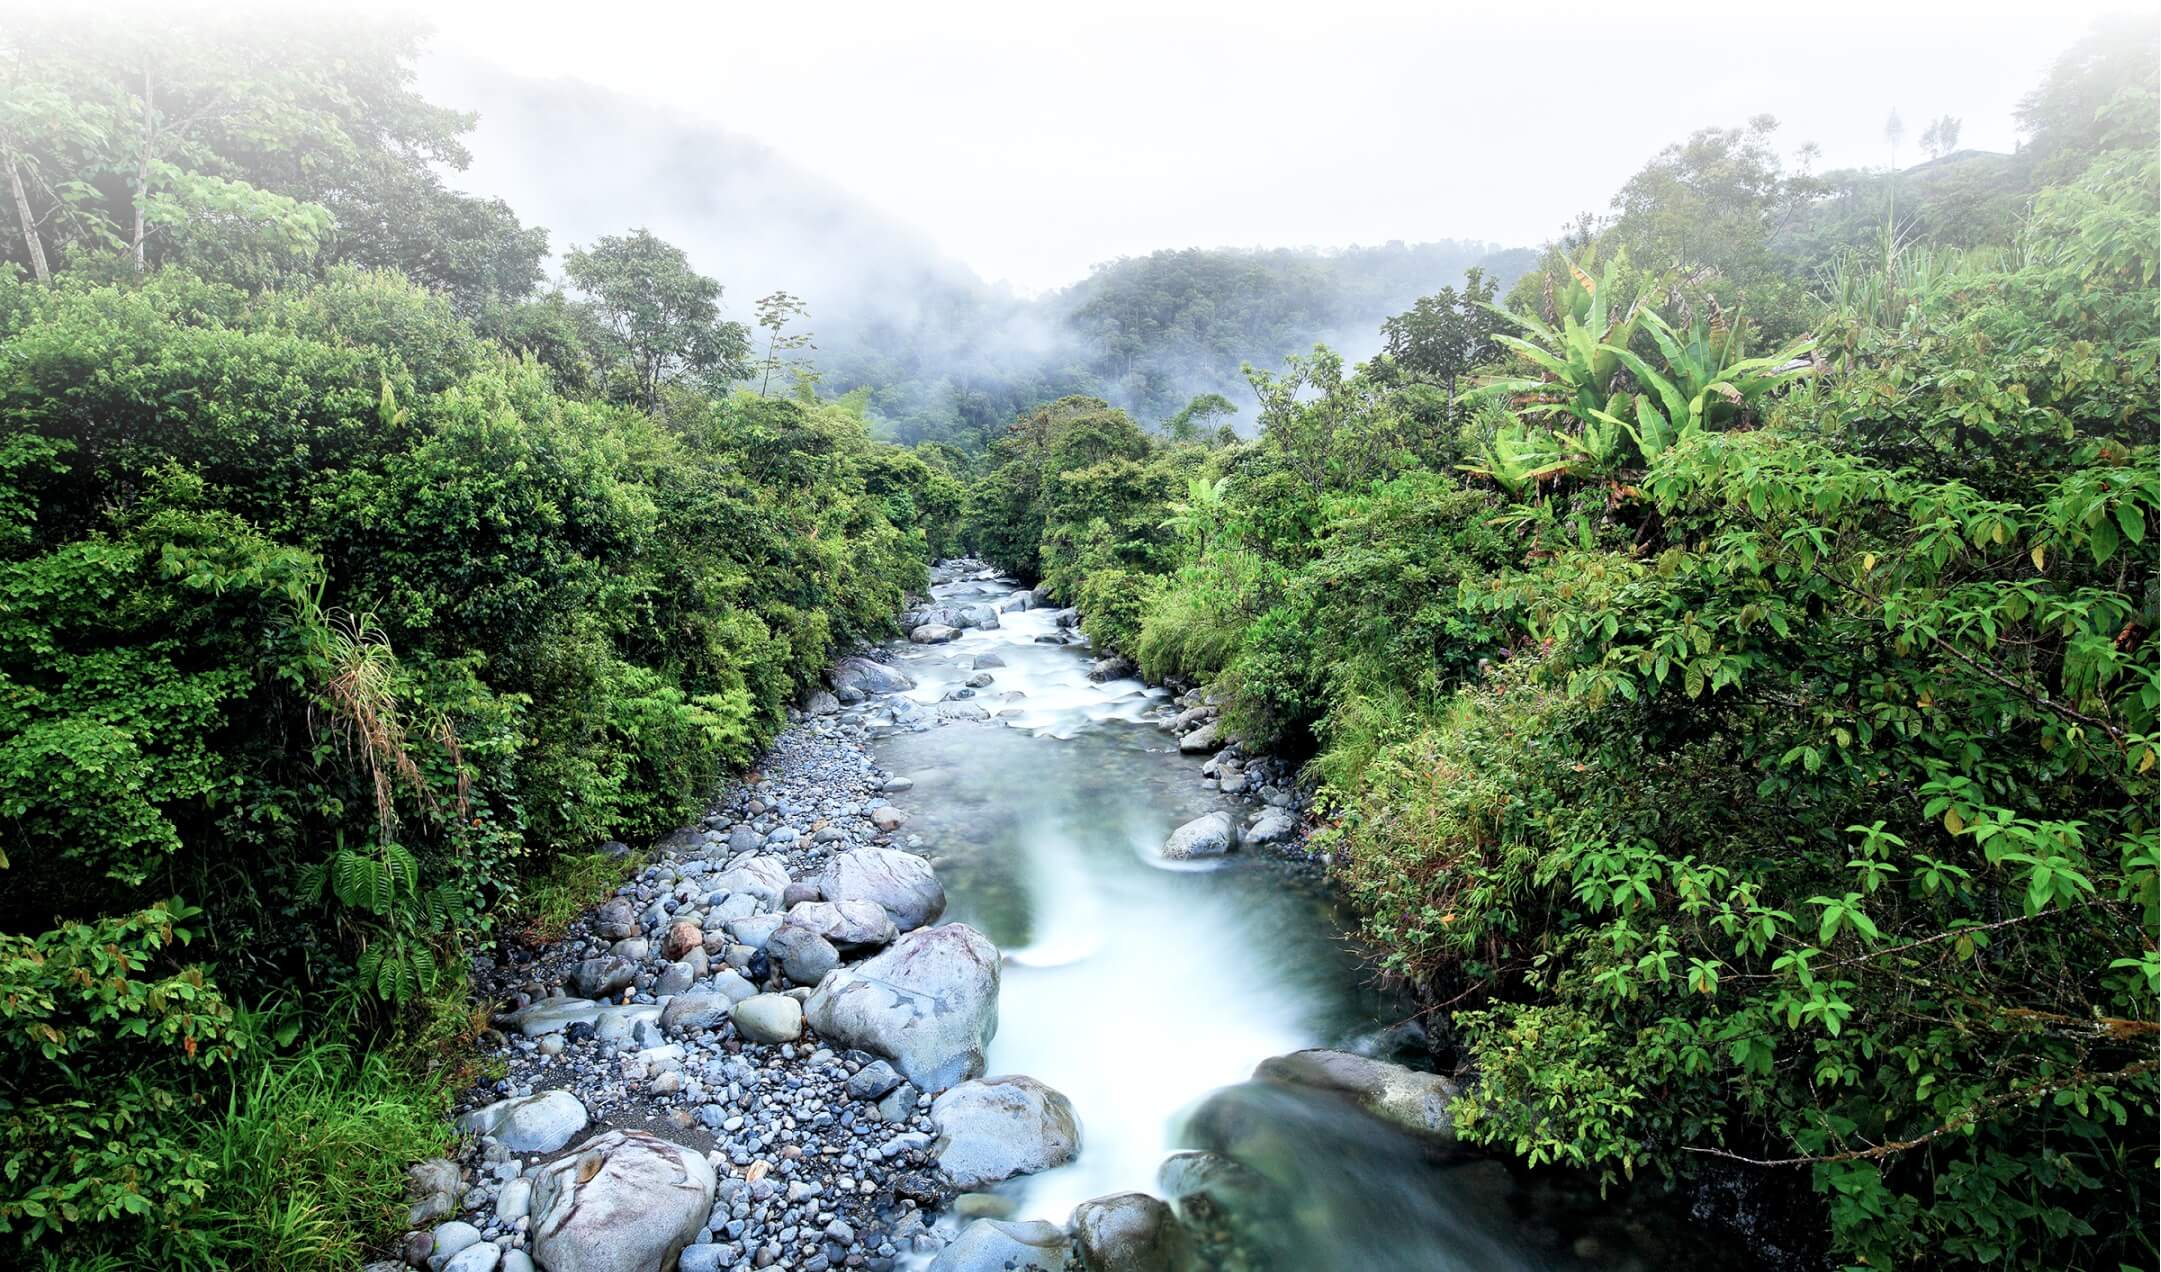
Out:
{"x": 1147, "y": 990}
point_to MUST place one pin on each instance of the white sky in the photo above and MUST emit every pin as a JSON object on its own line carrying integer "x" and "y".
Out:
{"x": 1032, "y": 140}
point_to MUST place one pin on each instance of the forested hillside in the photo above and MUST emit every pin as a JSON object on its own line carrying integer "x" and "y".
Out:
{"x": 1730, "y": 671}
{"x": 1723, "y": 643}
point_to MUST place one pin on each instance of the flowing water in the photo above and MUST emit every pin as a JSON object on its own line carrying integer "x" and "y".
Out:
{"x": 1147, "y": 990}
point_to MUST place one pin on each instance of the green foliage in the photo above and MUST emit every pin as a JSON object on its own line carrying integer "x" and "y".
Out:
{"x": 656, "y": 321}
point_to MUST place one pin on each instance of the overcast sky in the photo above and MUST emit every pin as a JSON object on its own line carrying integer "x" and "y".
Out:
{"x": 1032, "y": 140}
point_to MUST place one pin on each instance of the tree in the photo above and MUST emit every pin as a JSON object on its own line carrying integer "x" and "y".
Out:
{"x": 1442, "y": 336}
{"x": 658, "y": 319}
{"x": 1941, "y": 137}
{"x": 775, "y": 312}
{"x": 2100, "y": 95}
{"x": 1191, "y": 421}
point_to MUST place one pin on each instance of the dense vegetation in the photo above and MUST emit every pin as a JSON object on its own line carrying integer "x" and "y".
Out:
{"x": 1730, "y": 669}
{"x": 351, "y": 590}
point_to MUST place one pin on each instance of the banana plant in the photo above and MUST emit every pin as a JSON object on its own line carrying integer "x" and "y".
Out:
{"x": 1705, "y": 383}
{"x": 1519, "y": 458}
{"x": 1577, "y": 357}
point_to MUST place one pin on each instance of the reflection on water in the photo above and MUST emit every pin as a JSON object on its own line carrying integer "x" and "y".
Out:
{"x": 1141, "y": 988}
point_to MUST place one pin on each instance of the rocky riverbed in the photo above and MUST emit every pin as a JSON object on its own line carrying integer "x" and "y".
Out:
{"x": 769, "y": 1050}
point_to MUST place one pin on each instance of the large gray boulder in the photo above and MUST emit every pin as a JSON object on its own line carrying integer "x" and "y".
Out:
{"x": 769, "y": 1018}
{"x": 867, "y": 677}
{"x": 1207, "y": 738}
{"x": 1006, "y": 1245}
{"x": 1272, "y": 826}
{"x": 849, "y": 925}
{"x": 765, "y": 878}
{"x": 1400, "y": 1096}
{"x": 934, "y": 634}
{"x": 529, "y": 1124}
{"x": 1128, "y": 1232}
{"x": 992, "y": 1129}
{"x": 929, "y": 1004}
{"x": 1211, "y": 835}
{"x": 627, "y": 1201}
{"x": 900, "y": 883}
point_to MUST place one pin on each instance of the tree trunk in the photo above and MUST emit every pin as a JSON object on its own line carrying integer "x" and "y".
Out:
{"x": 142, "y": 166}
{"x": 31, "y": 240}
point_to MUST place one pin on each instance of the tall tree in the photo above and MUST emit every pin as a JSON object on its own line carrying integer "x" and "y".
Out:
{"x": 657, "y": 320}
{"x": 775, "y": 312}
{"x": 1442, "y": 336}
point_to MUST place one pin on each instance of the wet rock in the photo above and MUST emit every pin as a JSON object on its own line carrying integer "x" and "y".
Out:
{"x": 1128, "y": 1232}
{"x": 988, "y": 662}
{"x": 768, "y": 1018}
{"x": 1113, "y": 668}
{"x": 870, "y": 678}
{"x": 1403, "y": 1097}
{"x": 1206, "y": 836}
{"x": 822, "y": 704}
{"x": 1199, "y": 1181}
{"x": 934, "y": 634}
{"x": 929, "y": 1004}
{"x": 626, "y": 1202}
{"x": 532, "y": 1124}
{"x": 900, "y": 883}
{"x": 803, "y": 956}
{"x": 603, "y": 977}
{"x": 887, "y": 818}
{"x": 1006, "y": 1245}
{"x": 1207, "y": 738}
{"x": 448, "y": 1240}
{"x": 993, "y": 1129}
{"x": 1273, "y": 826}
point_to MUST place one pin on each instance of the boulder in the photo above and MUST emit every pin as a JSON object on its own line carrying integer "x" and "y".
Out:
{"x": 687, "y": 1013}
{"x": 529, "y": 1124}
{"x": 929, "y": 1004}
{"x": 900, "y": 883}
{"x": 821, "y": 704}
{"x": 993, "y": 1129}
{"x": 765, "y": 878}
{"x": 755, "y": 930}
{"x": 870, "y": 1082}
{"x": 683, "y": 937}
{"x": 1400, "y": 1096}
{"x": 849, "y": 925}
{"x": 1006, "y": 1245}
{"x": 867, "y": 677}
{"x": 887, "y": 818}
{"x": 603, "y": 977}
{"x": 616, "y": 920}
{"x": 625, "y": 1202}
{"x": 1207, "y": 836}
{"x": 988, "y": 662}
{"x": 804, "y": 956}
{"x": 1116, "y": 667}
{"x": 448, "y": 1240}
{"x": 1273, "y": 826}
{"x": 770, "y": 1018}
{"x": 1128, "y": 1232}
{"x": 1207, "y": 738}
{"x": 934, "y": 634}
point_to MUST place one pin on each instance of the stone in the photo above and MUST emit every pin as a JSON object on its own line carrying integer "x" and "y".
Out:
{"x": 603, "y": 977}
{"x": 688, "y": 1013}
{"x": 770, "y": 1018}
{"x": 683, "y": 937}
{"x": 1128, "y": 1232}
{"x": 482, "y": 1257}
{"x": 900, "y": 1103}
{"x": 988, "y": 662}
{"x": 1113, "y": 668}
{"x": 674, "y": 979}
{"x": 1202, "y": 1174}
{"x": 822, "y": 704}
{"x": 900, "y": 883}
{"x": 1396, "y": 1094}
{"x": 515, "y": 1261}
{"x": 872, "y": 1080}
{"x": 934, "y": 634}
{"x": 1273, "y": 826}
{"x": 868, "y": 677}
{"x": 765, "y": 878}
{"x": 849, "y": 925}
{"x": 448, "y": 1239}
{"x": 887, "y": 818}
{"x": 616, "y": 920}
{"x": 515, "y": 1201}
{"x": 529, "y": 1124}
{"x": 1006, "y": 1245}
{"x": 1207, "y": 738}
{"x": 551, "y": 1015}
{"x": 627, "y": 1201}
{"x": 993, "y": 1129}
{"x": 804, "y": 956}
{"x": 1206, "y": 836}
{"x": 755, "y": 930}
{"x": 929, "y": 1003}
